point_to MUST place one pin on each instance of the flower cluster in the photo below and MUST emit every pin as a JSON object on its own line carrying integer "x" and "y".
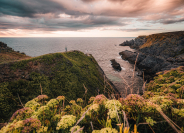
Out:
{"x": 121, "y": 100}
{"x": 76, "y": 128}
{"x": 72, "y": 102}
{"x": 41, "y": 97}
{"x": 22, "y": 114}
{"x": 180, "y": 102}
{"x": 100, "y": 99}
{"x": 31, "y": 124}
{"x": 106, "y": 130}
{"x": 66, "y": 122}
{"x": 56, "y": 117}
{"x": 95, "y": 107}
{"x": 91, "y": 99}
{"x": 61, "y": 98}
{"x": 134, "y": 102}
{"x": 113, "y": 105}
{"x": 18, "y": 124}
{"x": 163, "y": 101}
{"x": 67, "y": 108}
{"x": 53, "y": 103}
{"x": 79, "y": 100}
{"x": 149, "y": 107}
{"x": 112, "y": 114}
{"x": 42, "y": 130}
{"x": 148, "y": 94}
{"x": 75, "y": 108}
{"x": 32, "y": 104}
{"x": 179, "y": 112}
{"x": 12, "y": 126}
{"x": 43, "y": 112}
{"x": 150, "y": 121}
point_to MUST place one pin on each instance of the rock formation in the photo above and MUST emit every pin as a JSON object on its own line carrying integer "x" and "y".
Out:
{"x": 7, "y": 54}
{"x": 115, "y": 65}
{"x": 157, "y": 52}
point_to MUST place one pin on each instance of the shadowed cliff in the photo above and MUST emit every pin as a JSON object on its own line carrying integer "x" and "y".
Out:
{"x": 157, "y": 52}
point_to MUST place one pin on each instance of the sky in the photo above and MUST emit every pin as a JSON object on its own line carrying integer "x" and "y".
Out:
{"x": 89, "y": 18}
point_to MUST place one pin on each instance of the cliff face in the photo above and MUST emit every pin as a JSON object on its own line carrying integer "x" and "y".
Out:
{"x": 7, "y": 54}
{"x": 166, "y": 45}
{"x": 157, "y": 52}
{"x": 56, "y": 74}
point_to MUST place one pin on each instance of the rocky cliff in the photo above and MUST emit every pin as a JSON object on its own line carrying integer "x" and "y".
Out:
{"x": 7, "y": 54}
{"x": 157, "y": 52}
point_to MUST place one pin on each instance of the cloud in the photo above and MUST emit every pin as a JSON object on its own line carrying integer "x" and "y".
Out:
{"x": 137, "y": 29}
{"x": 89, "y": 0}
{"x": 63, "y": 23}
{"x": 170, "y": 21}
{"x": 75, "y": 15}
{"x": 120, "y": 8}
{"x": 132, "y": 30}
{"x": 29, "y": 8}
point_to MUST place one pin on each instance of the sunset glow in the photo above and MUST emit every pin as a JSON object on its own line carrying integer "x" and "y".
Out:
{"x": 89, "y": 18}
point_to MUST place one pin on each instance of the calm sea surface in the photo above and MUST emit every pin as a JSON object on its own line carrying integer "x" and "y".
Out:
{"x": 103, "y": 49}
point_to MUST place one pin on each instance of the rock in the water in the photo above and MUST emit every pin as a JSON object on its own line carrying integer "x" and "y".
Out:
{"x": 115, "y": 65}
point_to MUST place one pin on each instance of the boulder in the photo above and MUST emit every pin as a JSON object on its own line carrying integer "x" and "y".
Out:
{"x": 115, "y": 65}
{"x": 131, "y": 56}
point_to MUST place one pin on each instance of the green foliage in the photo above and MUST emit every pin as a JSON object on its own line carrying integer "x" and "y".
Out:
{"x": 54, "y": 117}
{"x": 53, "y": 74}
{"x": 150, "y": 121}
{"x": 102, "y": 114}
{"x": 169, "y": 82}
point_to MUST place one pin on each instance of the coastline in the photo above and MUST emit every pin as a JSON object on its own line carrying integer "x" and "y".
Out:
{"x": 162, "y": 97}
{"x": 157, "y": 52}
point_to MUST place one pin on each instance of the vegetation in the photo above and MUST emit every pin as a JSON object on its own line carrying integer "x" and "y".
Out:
{"x": 172, "y": 38}
{"x": 160, "y": 109}
{"x": 71, "y": 74}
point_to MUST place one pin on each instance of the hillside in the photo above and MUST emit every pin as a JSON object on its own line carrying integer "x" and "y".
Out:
{"x": 159, "y": 110}
{"x": 7, "y": 54}
{"x": 157, "y": 52}
{"x": 71, "y": 74}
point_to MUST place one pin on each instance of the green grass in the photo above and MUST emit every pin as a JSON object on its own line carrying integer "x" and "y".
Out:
{"x": 58, "y": 74}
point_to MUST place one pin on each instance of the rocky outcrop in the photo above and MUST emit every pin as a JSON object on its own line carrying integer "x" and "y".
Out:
{"x": 8, "y": 54}
{"x": 115, "y": 65}
{"x": 157, "y": 52}
{"x": 4, "y": 48}
{"x": 135, "y": 43}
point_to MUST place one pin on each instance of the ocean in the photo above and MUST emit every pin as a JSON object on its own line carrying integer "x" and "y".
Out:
{"x": 103, "y": 50}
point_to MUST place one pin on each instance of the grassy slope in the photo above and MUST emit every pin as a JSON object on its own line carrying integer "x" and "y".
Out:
{"x": 171, "y": 37}
{"x": 58, "y": 74}
{"x": 13, "y": 56}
